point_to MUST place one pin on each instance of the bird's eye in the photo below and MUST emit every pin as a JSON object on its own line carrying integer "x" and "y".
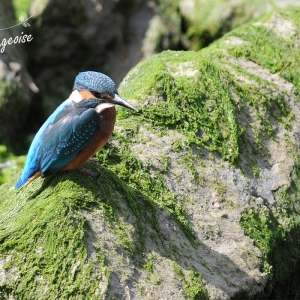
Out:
{"x": 105, "y": 96}
{"x": 101, "y": 95}
{"x": 96, "y": 94}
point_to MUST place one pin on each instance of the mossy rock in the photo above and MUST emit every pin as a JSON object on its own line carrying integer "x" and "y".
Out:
{"x": 197, "y": 195}
{"x": 209, "y": 20}
{"x": 194, "y": 24}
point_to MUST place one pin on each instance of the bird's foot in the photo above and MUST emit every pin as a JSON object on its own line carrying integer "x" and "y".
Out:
{"x": 92, "y": 159}
{"x": 89, "y": 172}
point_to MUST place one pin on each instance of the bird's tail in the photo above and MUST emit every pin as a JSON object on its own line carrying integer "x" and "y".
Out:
{"x": 20, "y": 183}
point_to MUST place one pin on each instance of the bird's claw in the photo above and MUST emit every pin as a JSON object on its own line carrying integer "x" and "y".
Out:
{"x": 92, "y": 159}
{"x": 89, "y": 172}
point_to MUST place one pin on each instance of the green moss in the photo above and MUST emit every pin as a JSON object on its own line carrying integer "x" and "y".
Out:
{"x": 193, "y": 93}
{"x": 47, "y": 259}
{"x": 275, "y": 52}
{"x": 43, "y": 233}
{"x": 205, "y": 115}
{"x": 193, "y": 285}
{"x": 213, "y": 105}
{"x": 42, "y": 228}
{"x": 121, "y": 161}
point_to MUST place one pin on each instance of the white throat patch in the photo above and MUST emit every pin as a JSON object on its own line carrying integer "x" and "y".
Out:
{"x": 103, "y": 106}
{"x": 75, "y": 97}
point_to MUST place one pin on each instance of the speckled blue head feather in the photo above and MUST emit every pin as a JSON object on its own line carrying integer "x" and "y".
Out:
{"x": 94, "y": 81}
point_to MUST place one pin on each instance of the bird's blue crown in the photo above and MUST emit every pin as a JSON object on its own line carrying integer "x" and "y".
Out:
{"x": 95, "y": 81}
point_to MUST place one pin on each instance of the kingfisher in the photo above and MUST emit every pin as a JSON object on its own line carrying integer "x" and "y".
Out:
{"x": 76, "y": 130}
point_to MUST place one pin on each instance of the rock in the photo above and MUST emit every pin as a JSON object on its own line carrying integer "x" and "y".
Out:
{"x": 197, "y": 195}
{"x": 194, "y": 24}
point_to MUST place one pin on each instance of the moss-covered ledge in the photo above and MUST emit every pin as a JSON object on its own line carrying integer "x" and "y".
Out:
{"x": 197, "y": 196}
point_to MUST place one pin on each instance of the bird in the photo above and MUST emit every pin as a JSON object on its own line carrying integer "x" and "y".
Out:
{"x": 78, "y": 128}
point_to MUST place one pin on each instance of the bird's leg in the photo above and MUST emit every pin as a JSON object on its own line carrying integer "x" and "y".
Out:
{"x": 89, "y": 172}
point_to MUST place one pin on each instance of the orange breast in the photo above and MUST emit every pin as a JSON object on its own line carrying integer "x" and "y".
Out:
{"x": 86, "y": 153}
{"x": 106, "y": 127}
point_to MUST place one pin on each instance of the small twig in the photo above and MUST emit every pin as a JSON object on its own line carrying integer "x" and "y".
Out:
{"x": 253, "y": 60}
{"x": 284, "y": 67}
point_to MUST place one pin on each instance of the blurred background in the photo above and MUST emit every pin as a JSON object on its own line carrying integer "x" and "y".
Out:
{"x": 109, "y": 36}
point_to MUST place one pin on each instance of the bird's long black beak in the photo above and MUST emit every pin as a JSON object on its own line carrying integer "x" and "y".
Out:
{"x": 118, "y": 100}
